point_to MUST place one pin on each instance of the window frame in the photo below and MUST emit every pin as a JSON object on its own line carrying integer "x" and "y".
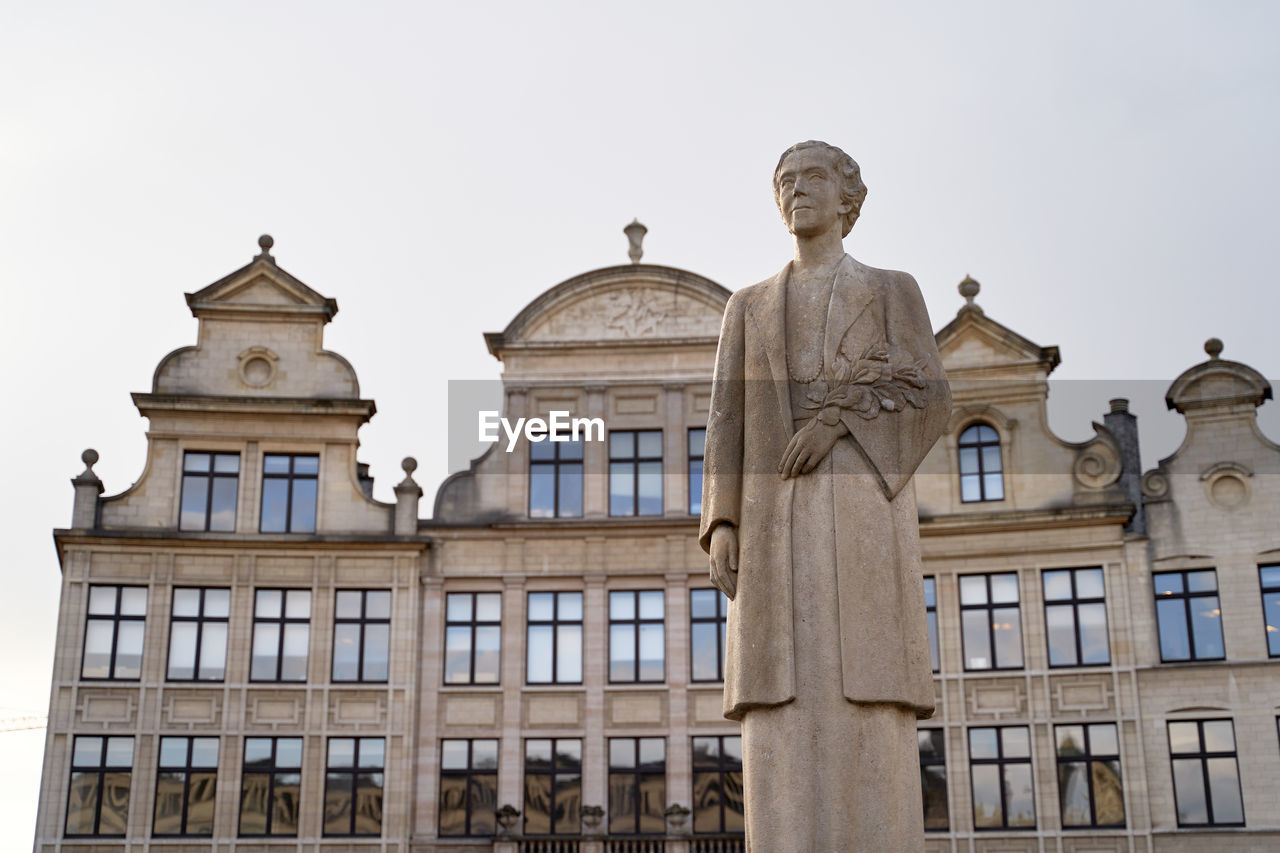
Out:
{"x": 1188, "y": 623}
{"x": 981, "y": 473}
{"x": 989, "y": 606}
{"x": 939, "y": 759}
{"x": 556, "y": 463}
{"x": 1203, "y": 756}
{"x": 472, "y": 624}
{"x": 210, "y": 476}
{"x": 553, "y": 771}
{"x": 724, "y": 767}
{"x": 468, "y": 775}
{"x": 102, "y": 768}
{"x": 272, "y": 771}
{"x": 1269, "y": 631}
{"x": 200, "y": 620}
{"x": 355, "y": 771}
{"x": 638, "y": 775}
{"x": 290, "y": 478}
{"x": 935, "y": 640}
{"x": 115, "y": 618}
{"x": 1087, "y": 757}
{"x": 186, "y": 769}
{"x": 283, "y": 620}
{"x": 554, "y": 623}
{"x": 635, "y": 624}
{"x": 720, "y": 621}
{"x": 635, "y": 460}
{"x": 700, "y": 458}
{"x": 1074, "y": 603}
{"x": 364, "y": 621}
{"x": 1002, "y": 762}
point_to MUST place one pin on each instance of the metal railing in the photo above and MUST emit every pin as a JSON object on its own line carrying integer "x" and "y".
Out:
{"x": 549, "y": 845}
{"x": 635, "y": 845}
{"x": 717, "y": 844}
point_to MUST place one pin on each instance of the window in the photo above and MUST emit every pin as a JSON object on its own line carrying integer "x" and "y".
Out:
{"x": 198, "y": 634}
{"x": 990, "y": 621}
{"x": 362, "y": 635}
{"x": 289, "y": 487}
{"x": 1206, "y": 778}
{"x": 717, "y": 784}
{"x": 472, "y": 637}
{"x": 555, "y": 479}
{"x": 353, "y": 786}
{"x": 209, "y": 483}
{"x": 113, "y": 632}
{"x": 1189, "y": 615}
{"x": 1270, "y": 576}
{"x": 281, "y": 634}
{"x": 186, "y": 781}
{"x": 697, "y": 448}
{"x": 1000, "y": 764}
{"x": 552, "y": 786}
{"x": 933, "y": 779}
{"x": 555, "y": 638}
{"x": 931, "y": 617}
{"x": 468, "y": 787}
{"x": 1089, "y": 787}
{"x": 1075, "y": 615}
{"x": 635, "y": 472}
{"x": 636, "y": 643}
{"x": 98, "y": 798}
{"x": 637, "y": 785}
{"x": 981, "y": 472}
{"x": 271, "y": 787}
{"x": 708, "y": 612}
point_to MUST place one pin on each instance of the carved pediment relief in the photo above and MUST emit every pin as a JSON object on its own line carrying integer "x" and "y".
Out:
{"x": 260, "y": 291}
{"x": 628, "y": 312}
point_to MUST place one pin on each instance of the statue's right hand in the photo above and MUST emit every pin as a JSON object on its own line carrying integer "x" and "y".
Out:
{"x": 724, "y": 559}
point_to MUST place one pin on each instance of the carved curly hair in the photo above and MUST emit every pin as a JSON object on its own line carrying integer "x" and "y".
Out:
{"x": 852, "y": 190}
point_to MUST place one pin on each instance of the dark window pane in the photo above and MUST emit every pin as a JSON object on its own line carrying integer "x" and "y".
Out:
{"x": 1057, "y": 585}
{"x": 1061, "y": 628}
{"x": 987, "y": 812}
{"x": 570, "y": 490}
{"x": 115, "y": 804}
{"x": 82, "y": 803}
{"x": 621, "y": 489}
{"x": 1007, "y": 627}
{"x": 488, "y": 654}
{"x": 346, "y": 652}
{"x": 1188, "y": 785}
{"x": 200, "y": 802}
{"x": 1094, "y": 646}
{"x": 302, "y": 518}
{"x": 275, "y": 464}
{"x": 453, "y": 805}
{"x": 542, "y": 491}
{"x": 275, "y": 505}
{"x": 484, "y": 803}
{"x": 255, "y": 793}
{"x": 222, "y": 514}
{"x": 933, "y": 781}
{"x": 1089, "y": 583}
{"x": 1073, "y": 793}
{"x": 195, "y": 502}
{"x": 1206, "y": 627}
{"x": 1172, "y": 617}
{"x": 129, "y": 649}
{"x": 706, "y": 657}
{"x": 284, "y": 815}
{"x": 1271, "y": 613}
{"x": 977, "y": 639}
{"x": 377, "y": 639}
{"x": 1108, "y": 793}
{"x": 1168, "y": 584}
{"x": 1019, "y": 798}
{"x": 339, "y": 794}
{"x": 1224, "y": 790}
{"x": 537, "y": 803}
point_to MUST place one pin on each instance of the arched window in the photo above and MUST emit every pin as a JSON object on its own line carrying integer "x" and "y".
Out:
{"x": 981, "y": 474}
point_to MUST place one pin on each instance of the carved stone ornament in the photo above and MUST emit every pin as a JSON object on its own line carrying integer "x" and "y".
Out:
{"x": 1155, "y": 485}
{"x": 1099, "y": 463}
{"x": 257, "y": 367}
{"x": 1226, "y": 484}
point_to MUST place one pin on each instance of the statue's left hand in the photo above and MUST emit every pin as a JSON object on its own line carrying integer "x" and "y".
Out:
{"x": 809, "y": 446}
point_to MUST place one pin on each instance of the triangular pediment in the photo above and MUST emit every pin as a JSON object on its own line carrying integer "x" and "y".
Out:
{"x": 261, "y": 286}
{"x": 973, "y": 341}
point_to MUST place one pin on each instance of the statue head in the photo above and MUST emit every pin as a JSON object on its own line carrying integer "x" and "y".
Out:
{"x": 844, "y": 167}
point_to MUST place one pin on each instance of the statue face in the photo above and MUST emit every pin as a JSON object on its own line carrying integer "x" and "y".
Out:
{"x": 809, "y": 193}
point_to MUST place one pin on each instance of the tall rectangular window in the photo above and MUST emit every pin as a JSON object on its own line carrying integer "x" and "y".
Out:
{"x": 1075, "y": 615}
{"x": 555, "y": 638}
{"x": 933, "y": 779}
{"x": 472, "y": 637}
{"x": 113, "y": 632}
{"x": 991, "y": 621}
{"x": 637, "y": 646}
{"x": 1206, "y": 777}
{"x": 635, "y": 472}
{"x": 552, "y": 786}
{"x": 209, "y": 486}
{"x": 271, "y": 787}
{"x": 186, "y": 784}
{"x": 697, "y": 449}
{"x": 98, "y": 797}
{"x": 353, "y": 786}
{"x": 1189, "y": 615}
{"x": 637, "y": 785}
{"x": 931, "y": 618}
{"x": 198, "y": 634}
{"x": 555, "y": 479}
{"x": 717, "y": 784}
{"x": 281, "y": 634}
{"x": 290, "y": 483}
{"x": 1090, "y": 790}
{"x": 1270, "y": 577}
{"x": 362, "y": 635}
{"x": 708, "y": 616}
{"x": 1000, "y": 765}
{"x": 468, "y": 787}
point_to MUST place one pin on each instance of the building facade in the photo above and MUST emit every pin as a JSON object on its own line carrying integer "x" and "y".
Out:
{"x": 254, "y": 654}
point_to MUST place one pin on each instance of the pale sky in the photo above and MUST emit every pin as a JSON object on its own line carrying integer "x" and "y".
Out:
{"x": 1107, "y": 170}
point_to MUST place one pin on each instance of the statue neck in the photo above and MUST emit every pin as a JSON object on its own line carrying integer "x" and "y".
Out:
{"x": 819, "y": 250}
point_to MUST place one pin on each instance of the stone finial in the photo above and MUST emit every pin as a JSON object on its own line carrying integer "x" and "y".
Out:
{"x": 265, "y": 242}
{"x": 635, "y": 234}
{"x": 969, "y": 290}
{"x": 1213, "y": 347}
{"x": 408, "y": 493}
{"x": 1119, "y": 404}
{"x": 89, "y": 458}
{"x": 408, "y": 465}
{"x": 84, "y": 511}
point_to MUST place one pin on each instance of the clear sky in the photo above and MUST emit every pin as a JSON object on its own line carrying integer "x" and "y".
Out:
{"x": 1107, "y": 170}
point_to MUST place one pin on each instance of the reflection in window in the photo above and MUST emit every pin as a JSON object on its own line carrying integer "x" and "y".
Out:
{"x": 552, "y": 786}
{"x": 1206, "y": 777}
{"x": 1189, "y": 615}
{"x": 635, "y": 472}
{"x": 1075, "y": 613}
{"x": 186, "y": 780}
{"x": 289, "y": 487}
{"x": 717, "y": 784}
{"x": 472, "y": 637}
{"x": 281, "y": 634}
{"x": 198, "y": 634}
{"x": 362, "y": 635}
{"x": 931, "y": 617}
{"x": 697, "y": 448}
{"x": 1270, "y": 576}
{"x": 468, "y": 787}
{"x": 981, "y": 471}
{"x": 98, "y": 797}
{"x": 1000, "y": 766}
{"x": 636, "y": 643}
{"x": 637, "y": 785}
{"x": 933, "y": 779}
{"x": 1089, "y": 785}
{"x": 114, "y": 628}
{"x": 271, "y": 786}
{"x": 990, "y": 621}
{"x": 555, "y": 638}
{"x": 709, "y": 612}
{"x": 209, "y": 484}
{"x": 353, "y": 786}
{"x": 555, "y": 479}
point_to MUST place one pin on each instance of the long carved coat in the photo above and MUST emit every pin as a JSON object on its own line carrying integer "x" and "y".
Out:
{"x": 883, "y": 378}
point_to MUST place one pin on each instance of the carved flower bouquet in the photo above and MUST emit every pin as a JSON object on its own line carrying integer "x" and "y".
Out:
{"x": 880, "y": 379}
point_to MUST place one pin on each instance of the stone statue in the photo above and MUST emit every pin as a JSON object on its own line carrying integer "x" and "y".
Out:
{"x": 828, "y": 393}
